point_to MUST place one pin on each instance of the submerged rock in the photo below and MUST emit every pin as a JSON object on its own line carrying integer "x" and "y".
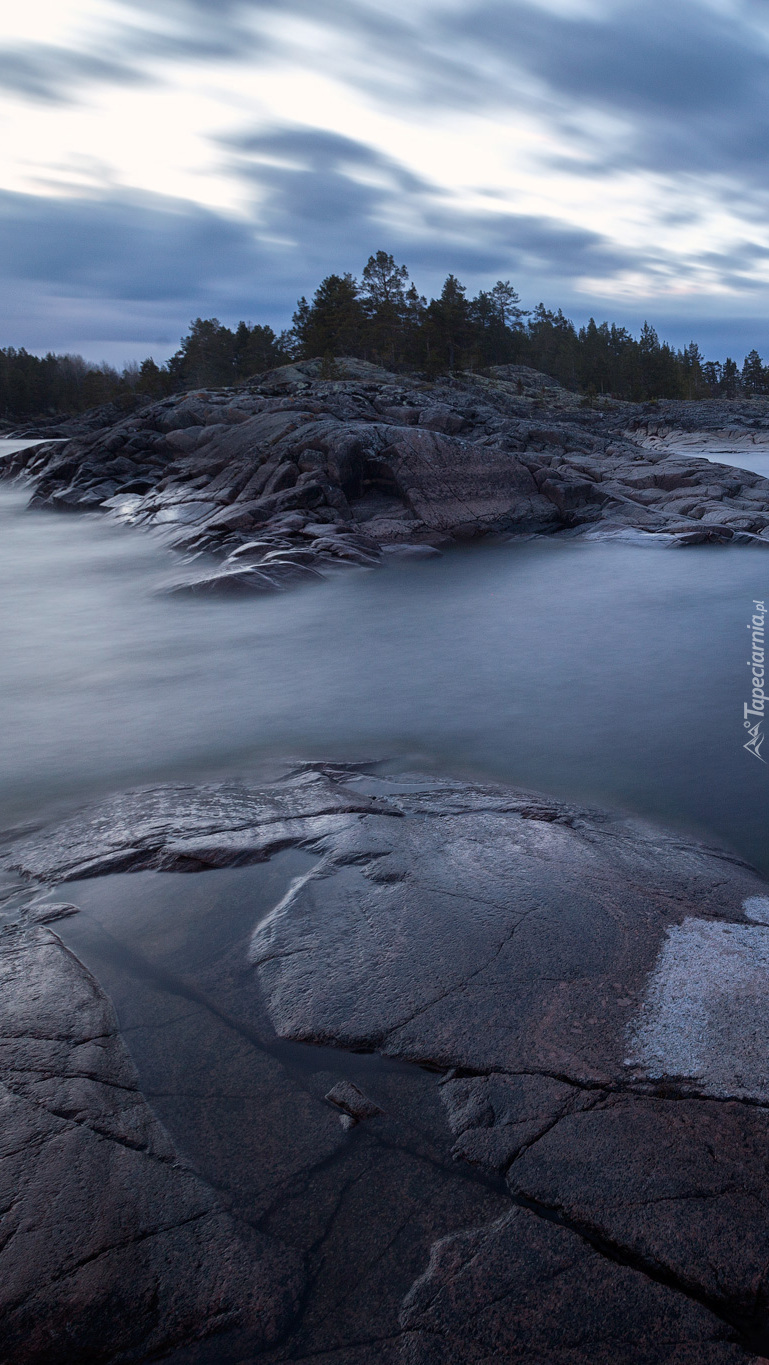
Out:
{"x": 353, "y": 1103}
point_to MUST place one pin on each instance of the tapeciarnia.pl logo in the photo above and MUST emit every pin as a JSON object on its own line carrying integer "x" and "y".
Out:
{"x": 756, "y": 706}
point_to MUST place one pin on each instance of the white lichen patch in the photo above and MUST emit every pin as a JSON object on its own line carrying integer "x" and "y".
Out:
{"x": 757, "y": 908}
{"x": 705, "y": 1016}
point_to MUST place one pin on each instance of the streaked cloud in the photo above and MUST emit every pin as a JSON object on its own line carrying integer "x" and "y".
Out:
{"x": 606, "y": 154}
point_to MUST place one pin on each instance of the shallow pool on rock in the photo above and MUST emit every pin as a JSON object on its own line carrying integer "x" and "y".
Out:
{"x": 363, "y": 1205}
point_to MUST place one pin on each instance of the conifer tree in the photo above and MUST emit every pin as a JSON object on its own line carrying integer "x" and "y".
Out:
{"x": 387, "y": 319}
{"x": 753, "y": 374}
{"x": 449, "y": 319}
{"x": 334, "y": 323}
{"x": 730, "y": 378}
{"x": 205, "y": 356}
{"x": 383, "y": 295}
{"x": 496, "y": 316}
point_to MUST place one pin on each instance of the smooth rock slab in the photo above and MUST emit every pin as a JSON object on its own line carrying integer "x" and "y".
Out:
{"x": 522, "y": 946}
{"x": 487, "y": 930}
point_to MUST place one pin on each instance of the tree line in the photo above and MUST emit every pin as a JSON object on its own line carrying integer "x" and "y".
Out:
{"x": 383, "y": 318}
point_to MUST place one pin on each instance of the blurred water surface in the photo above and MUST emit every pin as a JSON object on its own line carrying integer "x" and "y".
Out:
{"x": 604, "y": 672}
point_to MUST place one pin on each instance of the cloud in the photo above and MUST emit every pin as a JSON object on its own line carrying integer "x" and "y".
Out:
{"x": 685, "y": 84}
{"x": 362, "y": 46}
{"x": 77, "y": 271}
{"x": 332, "y": 198}
{"x": 80, "y": 272}
{"x": 654, "y": 58}
{"x": 128, "y": 49}
{"x": 671, "y": 99}
{"x": 310, "y": 176}
{"x": 56, "y": 75}
{"x": 120, "y": 275}
{"x": 122, "y": 246}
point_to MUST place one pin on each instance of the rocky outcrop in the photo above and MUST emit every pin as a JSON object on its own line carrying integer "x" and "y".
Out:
{"x": 296, "y": 475}
{"x": 575, "y": 1013}
{"x": 745, "y": 417}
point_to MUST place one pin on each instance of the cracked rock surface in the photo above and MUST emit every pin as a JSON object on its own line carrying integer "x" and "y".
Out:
{"x": 294, "y": 476}
{"x": 110, "y": 1246}
{"x": 526, "y": 1290}
{"x": 473, "y": 971}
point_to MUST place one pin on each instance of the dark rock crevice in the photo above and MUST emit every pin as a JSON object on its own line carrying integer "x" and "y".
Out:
{"x": 751, "y": 1327}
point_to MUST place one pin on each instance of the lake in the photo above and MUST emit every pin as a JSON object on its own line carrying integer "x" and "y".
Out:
{"x": 603, "y": 672}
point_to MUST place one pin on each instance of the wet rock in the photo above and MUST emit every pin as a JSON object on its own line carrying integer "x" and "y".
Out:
{"x": 677, "y": 1186}
{"x": 225, "y": 582}
{"x": 514, "y": 959}
{"x": 353, "y": 1103}
{"x": 594, "y": 992}
{"x": 528, "y": 1291}
{"x": 459, "y": 459}
{"x": 111, "y": 1247}
{"x": 398, "y": 553}
{"x": 135, "y": 829}
{"x": 496, "y": 1117}
{"x": 49, "y": 912}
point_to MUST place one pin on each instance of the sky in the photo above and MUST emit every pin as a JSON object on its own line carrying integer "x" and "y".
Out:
{"x": 167, "y": 159}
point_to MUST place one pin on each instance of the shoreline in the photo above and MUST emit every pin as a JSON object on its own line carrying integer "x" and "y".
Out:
{"x": 292, "y": 476}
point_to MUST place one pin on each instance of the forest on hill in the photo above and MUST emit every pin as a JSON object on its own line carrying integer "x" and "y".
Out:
{"x": 383, "y": 318}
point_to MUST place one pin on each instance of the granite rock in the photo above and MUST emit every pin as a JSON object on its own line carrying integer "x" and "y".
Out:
{"x": 520, "y": 961}
{"x": 408, "y": 462}
{"x": 111, "y": 1247}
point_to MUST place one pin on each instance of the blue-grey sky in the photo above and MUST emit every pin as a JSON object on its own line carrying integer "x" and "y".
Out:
{"x": 163, "y": 159}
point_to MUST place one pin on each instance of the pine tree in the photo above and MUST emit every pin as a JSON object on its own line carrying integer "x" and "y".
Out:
{"x": 553, "y": 344}
{"x": 691, "y": 363}
{"x": 334, "y": 323}
{"x": 416, "y": 336}
{"x": 753, "y": 374}
{"x": 496, "y": 318}
{"x": 256, "y": 349}
{"x": 450, "y": 322}
{"x": 730, "y": 378}
{"x": 153, "y": 381}
{"x": 383, "y": 281}
{"x": 384, "y": 301}
{"x": 205, "y": 356}
{"x": 712, "y": 373}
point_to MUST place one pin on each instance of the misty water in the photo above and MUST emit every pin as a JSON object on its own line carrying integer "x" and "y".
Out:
{"x": 757, "y": 461}
{"x": 603, "y": 672}
{"x": 754, "y": 458}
